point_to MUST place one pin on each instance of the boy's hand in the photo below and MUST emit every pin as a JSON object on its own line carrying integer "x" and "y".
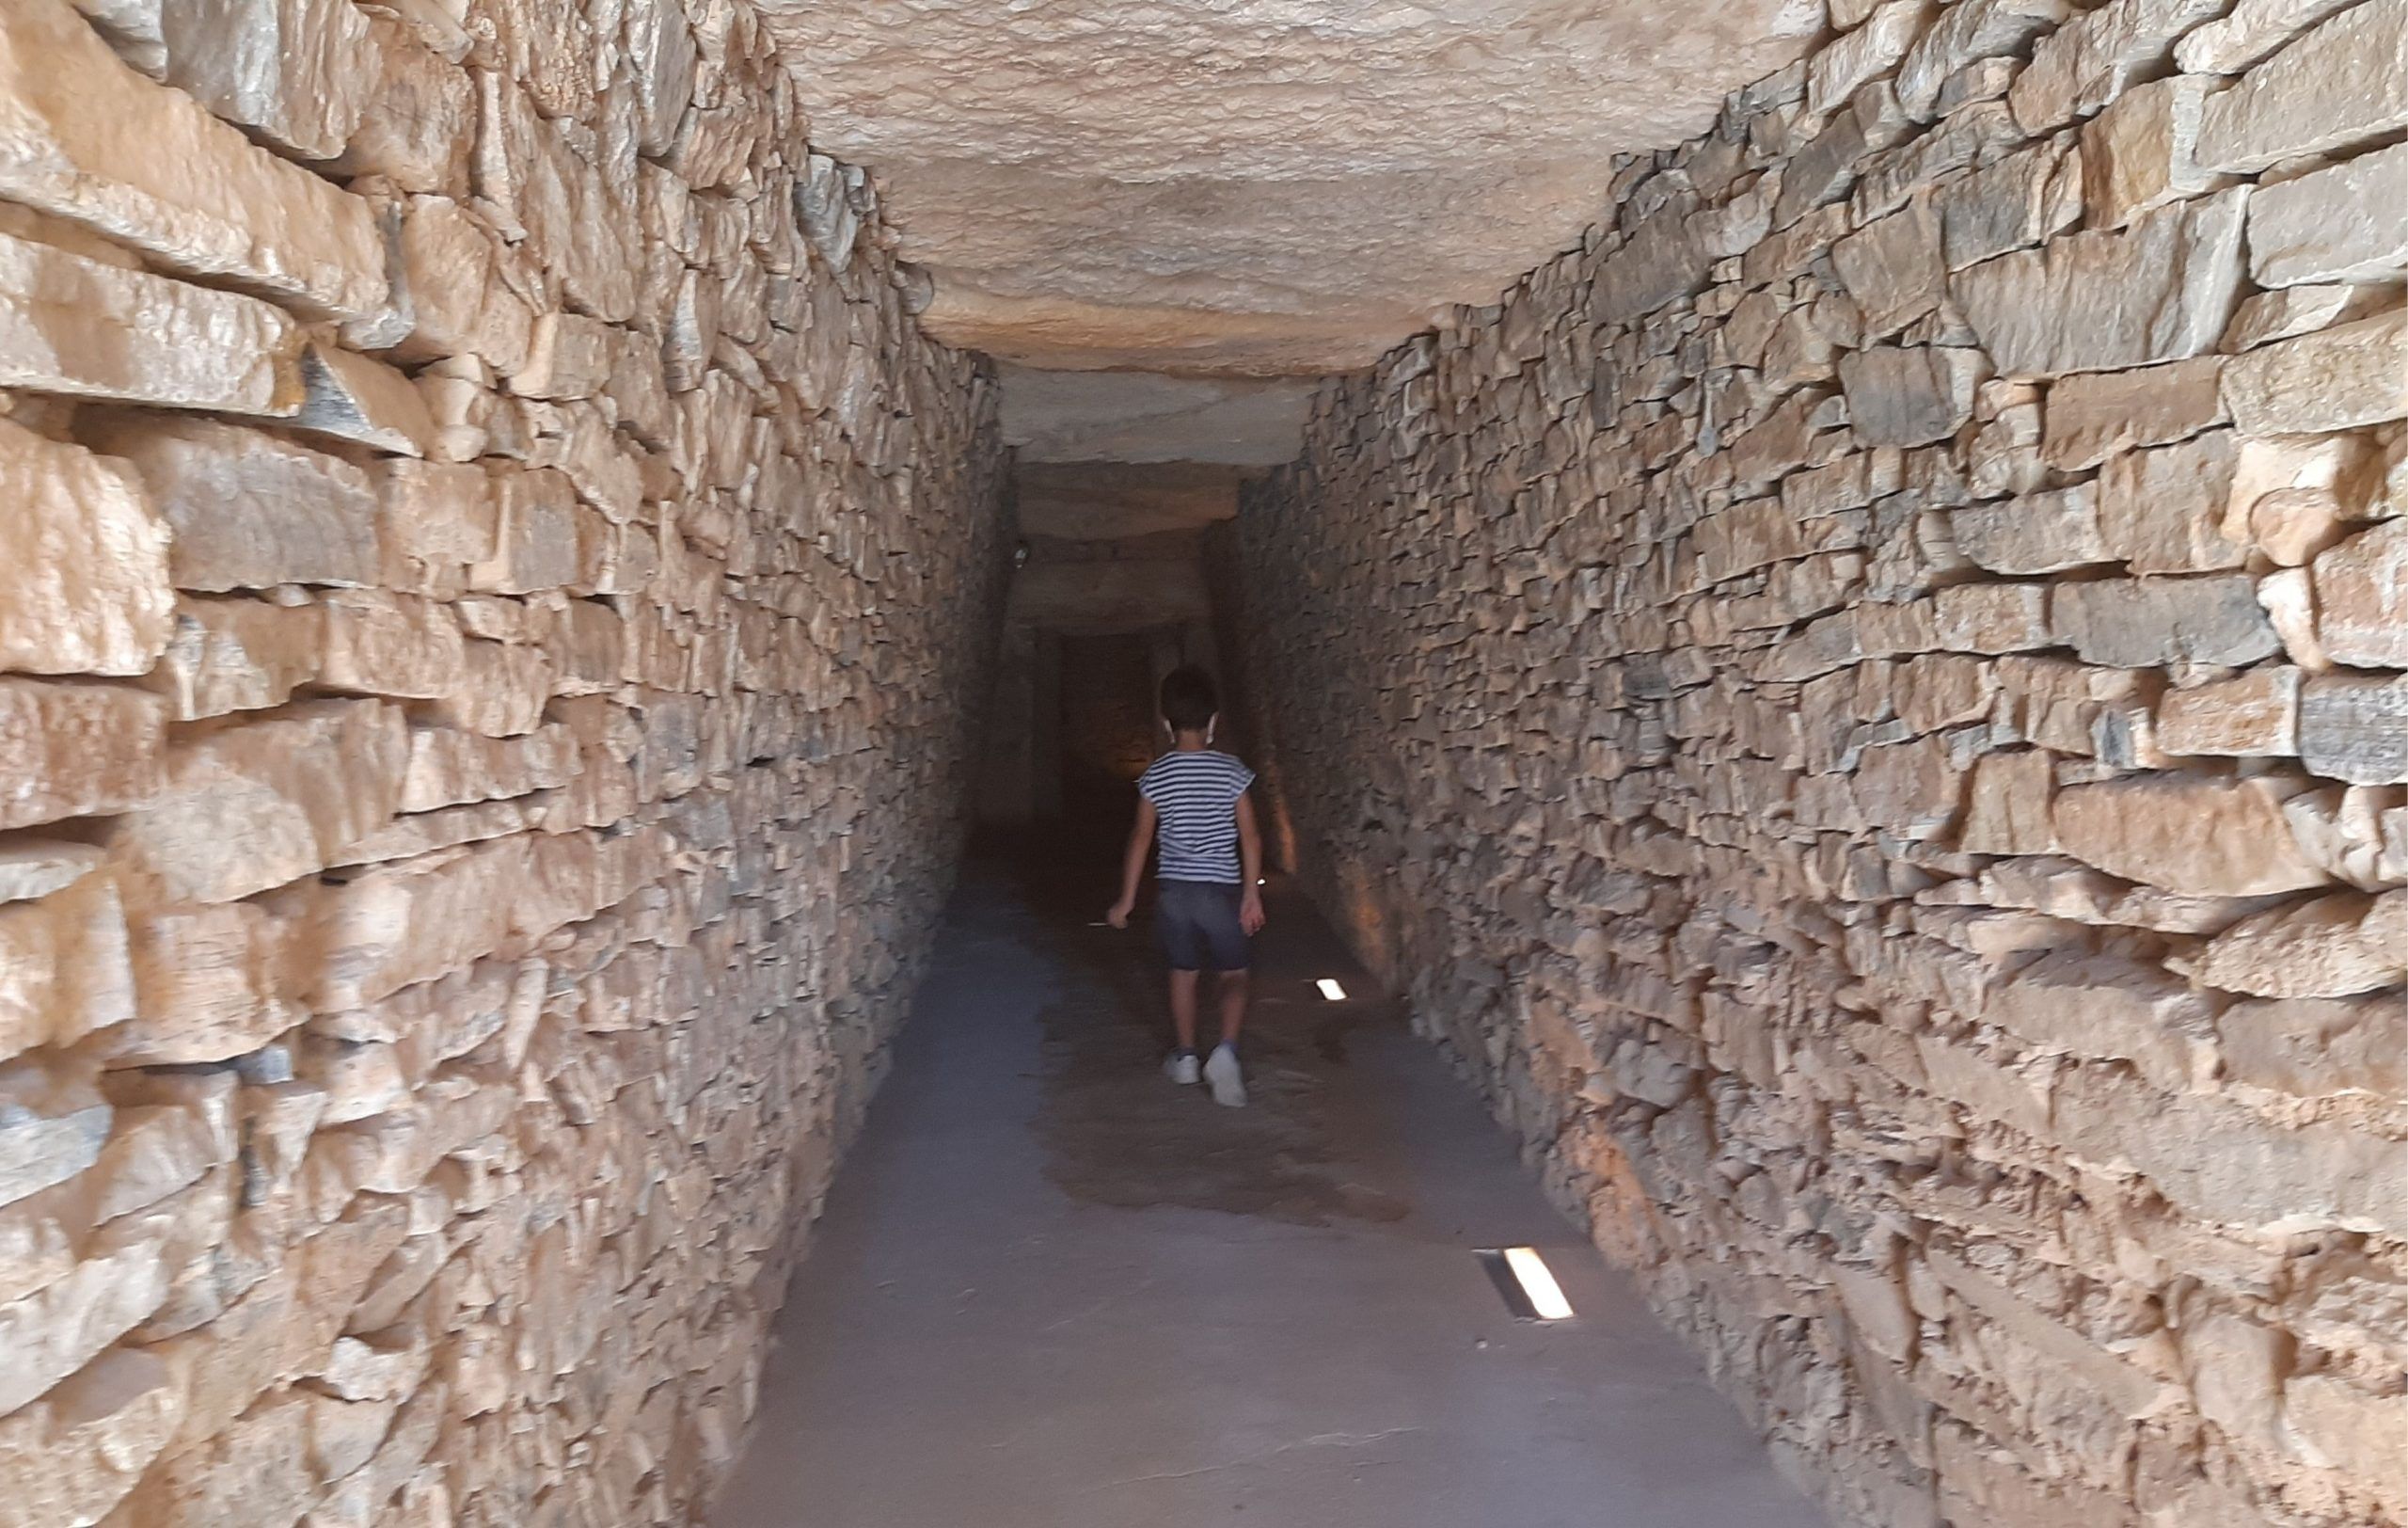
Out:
{"x": 1118, "y": 916}
{"x": 1250, "y": 911}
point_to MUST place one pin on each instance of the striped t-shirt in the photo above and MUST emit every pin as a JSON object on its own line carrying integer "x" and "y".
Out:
{"x": 1196, "y": 796}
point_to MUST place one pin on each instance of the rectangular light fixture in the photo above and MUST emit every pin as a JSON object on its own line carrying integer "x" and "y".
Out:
{"x": 1331, "y": 990}
{"x": 1527, "y": 1276}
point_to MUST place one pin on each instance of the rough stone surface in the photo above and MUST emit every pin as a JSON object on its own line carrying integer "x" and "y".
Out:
{"x": 1915, "y": 875}
{"x": 2342, "y": 84}
{"x": 2141, "y": 153}
{"x": 75, "y": 1455}
{"x": 1910, "y": 397}
{"x": 2088, "y": 418}
{"x": 85, "y": 138}
{"x": 71, "y": 749}
{"x": 2163, "y": 510}
{"x": 250, "y": 509}
{"x": 1107, "y": 182}
{"x": 73, "y": 325}
{"x": 2144, "y": 623}
{"x": 2095, "y": 57}
{"x": 83, "y": 585}
{"x": 2255, "y": 713}
{"x": 1111, "y": 184}
{"x": 1114, "y": 587}
{"x": 2332, "y": 380}
{"x": 2362, "y": 597}
{"x": 1864, "y": 701}
{"x": 2253, "y": 29}
{"x": 2285, "y": 311}
{"x": 2356, "y": 729}
{"x": 300, "y": 71}
{"x": 477, "y": 769}
{"x": 2204, "y": 838}
{"x": 2342, "y": 224}
{"x": 1123, "y": 417}
{"x": 2100, "y": 300}
{"x": 1099, "y": 501}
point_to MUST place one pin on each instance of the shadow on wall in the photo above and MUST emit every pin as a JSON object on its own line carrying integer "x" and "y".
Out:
{"x": 1234, "y": 629}
{"x": 1107, "y": 715}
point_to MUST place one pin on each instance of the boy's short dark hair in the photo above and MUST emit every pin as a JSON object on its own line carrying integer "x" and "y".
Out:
{"x": 1189, "y": 701}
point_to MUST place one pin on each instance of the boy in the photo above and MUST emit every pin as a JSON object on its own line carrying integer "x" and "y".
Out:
{"x": 1207, "y": 901}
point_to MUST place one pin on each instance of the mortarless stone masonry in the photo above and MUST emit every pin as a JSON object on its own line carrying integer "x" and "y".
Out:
{"x": 478, "y": 775}
{"x": 1864, "y": 703}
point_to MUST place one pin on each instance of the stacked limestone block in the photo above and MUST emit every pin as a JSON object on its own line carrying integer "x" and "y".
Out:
{"x": 491, "y": 576}
{"x": 1866, "y": 704}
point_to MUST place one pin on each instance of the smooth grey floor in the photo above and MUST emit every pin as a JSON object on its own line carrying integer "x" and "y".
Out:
{"x": 1053, "y": 1291}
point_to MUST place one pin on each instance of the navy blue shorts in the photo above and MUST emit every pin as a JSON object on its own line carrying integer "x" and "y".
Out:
{"x": 1197, "y": 923}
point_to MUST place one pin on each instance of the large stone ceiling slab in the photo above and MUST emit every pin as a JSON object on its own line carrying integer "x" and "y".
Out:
{"x": 1251, "y": 186}
{"x": 1112, "y": 501}
{"x": 1140, "y": 417}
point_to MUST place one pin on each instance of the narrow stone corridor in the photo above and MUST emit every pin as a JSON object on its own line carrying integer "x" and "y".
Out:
{"x": 1052, "y": 1291}
{"x": 1814, "y": 591}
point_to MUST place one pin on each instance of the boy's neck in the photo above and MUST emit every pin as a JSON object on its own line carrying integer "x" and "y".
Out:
{"x": 1189, "y": 742}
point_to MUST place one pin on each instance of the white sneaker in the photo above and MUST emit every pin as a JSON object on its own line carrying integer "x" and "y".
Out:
{"x": 1183, "y": 1069}
{"x": 1229, "y": 1083}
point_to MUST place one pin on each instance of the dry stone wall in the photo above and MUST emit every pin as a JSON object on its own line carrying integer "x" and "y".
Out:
{"x": 493, "y": 573}
{"x": 1866, "y": 702}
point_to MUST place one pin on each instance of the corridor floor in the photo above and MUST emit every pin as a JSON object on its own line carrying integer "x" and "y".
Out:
{"x": 1053, "y": 1291}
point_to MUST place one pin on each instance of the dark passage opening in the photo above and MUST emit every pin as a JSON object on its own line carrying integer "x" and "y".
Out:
{"x": 1108, "y": 731}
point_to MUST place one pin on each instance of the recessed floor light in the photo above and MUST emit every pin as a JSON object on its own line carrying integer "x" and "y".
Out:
{"x": 1530, "y": 1271}
{"x": 1331, "y": 990}
{"x": 1523, "y": 1278}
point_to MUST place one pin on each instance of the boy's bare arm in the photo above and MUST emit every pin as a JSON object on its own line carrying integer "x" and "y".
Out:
{"x": 1133, "y": 864}
{"x": 1249, "y": 866}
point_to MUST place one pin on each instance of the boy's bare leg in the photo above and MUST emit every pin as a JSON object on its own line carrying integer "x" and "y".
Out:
{"x": 1232, "y": 1004}
{"x": 1182, "y": 1007}
{"x": 1221, "y": 1069}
